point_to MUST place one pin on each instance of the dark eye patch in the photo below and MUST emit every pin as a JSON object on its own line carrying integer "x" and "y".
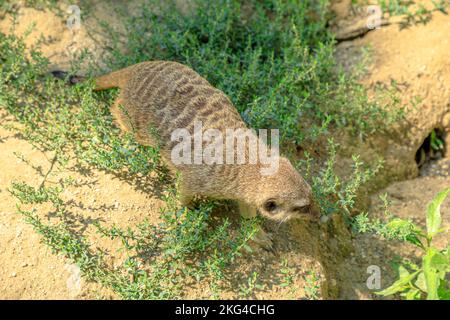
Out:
{"x": 270, "y": 206}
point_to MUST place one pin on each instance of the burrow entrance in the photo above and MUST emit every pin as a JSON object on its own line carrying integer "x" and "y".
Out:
{"x": 431, "y": 156}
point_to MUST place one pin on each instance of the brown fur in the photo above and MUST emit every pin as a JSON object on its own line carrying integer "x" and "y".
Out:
{"x": 162, "y": 96}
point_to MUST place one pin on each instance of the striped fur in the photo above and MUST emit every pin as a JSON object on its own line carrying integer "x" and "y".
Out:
{"x": 162, "y": 96}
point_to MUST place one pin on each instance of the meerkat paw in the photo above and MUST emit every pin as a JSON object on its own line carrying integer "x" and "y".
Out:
{"x": 264, "y": 240}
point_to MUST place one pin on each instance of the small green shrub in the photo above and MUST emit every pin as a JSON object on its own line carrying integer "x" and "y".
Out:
{"x": 312, "y": 287}
{"x": 435, "y": 142}
{"x": 161, "y": 258}
{"x": 334, "y": 194}
{"x": 50, "y": 121}
{"x": 429, "y": 279}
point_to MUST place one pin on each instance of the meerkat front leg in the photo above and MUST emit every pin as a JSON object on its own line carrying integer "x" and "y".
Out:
{"x": 184, "y": 195}
{"x": 246, "y": 211}
{"x": 263, "y": 238}
{"x": 186, "y": 200}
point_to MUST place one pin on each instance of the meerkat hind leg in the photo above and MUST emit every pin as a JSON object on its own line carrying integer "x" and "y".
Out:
{"x": 120, "y": 117}
{"x": 262, "y": 238}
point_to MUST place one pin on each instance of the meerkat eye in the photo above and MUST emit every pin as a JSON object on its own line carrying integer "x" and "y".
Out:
{"x": 270, "y": 205}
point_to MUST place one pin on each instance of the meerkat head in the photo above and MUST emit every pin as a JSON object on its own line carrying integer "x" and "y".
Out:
{"x": 285, "y": 195}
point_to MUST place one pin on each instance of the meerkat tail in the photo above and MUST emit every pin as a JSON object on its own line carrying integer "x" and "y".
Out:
{"x": 115, "y": 79}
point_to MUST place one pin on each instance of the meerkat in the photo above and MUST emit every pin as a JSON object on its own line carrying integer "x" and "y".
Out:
{"x": 163, "y": 96}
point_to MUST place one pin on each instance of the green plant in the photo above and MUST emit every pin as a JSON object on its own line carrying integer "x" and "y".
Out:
{"x": 441, "y": 5}
{"x": 334, "y": 194}
{"x": 435, "y": 142}
{"x": 247, "y": 290}
{"x": 416, "y": 281}
{"x": 312, "y": 285}
{"x": 420, "y": 13}
{"x": 288, "y": 278}
{"x": 288, "y": 274}
{"x": 160, "y": 258}
{"x": 395, "y": 7}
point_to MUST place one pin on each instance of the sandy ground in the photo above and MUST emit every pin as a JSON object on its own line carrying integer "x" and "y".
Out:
{"x": 417, "y": 57}
{"x": 29, "y": 270}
